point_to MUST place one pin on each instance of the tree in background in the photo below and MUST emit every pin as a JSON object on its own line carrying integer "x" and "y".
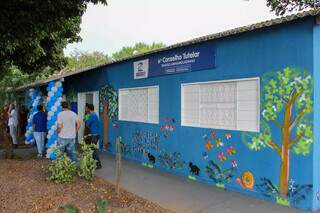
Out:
{"x": 13, "y": 78}
{"x": 136, "y": 49}
{"x": 286, "y": 100}
{"x": 80, "y": 60}
{"x": 34, "y": 33}
{"x": 280, "y": 7}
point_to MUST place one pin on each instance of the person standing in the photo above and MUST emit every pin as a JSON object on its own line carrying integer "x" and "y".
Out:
{"x": 68, "y": 126}
{"x": 93, "y": 125}
{"x": 39, "y": 124}
{"x": 13, "y": 123}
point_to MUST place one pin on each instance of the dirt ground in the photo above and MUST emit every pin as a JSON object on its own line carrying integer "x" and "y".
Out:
{"x": 24, "y": 188}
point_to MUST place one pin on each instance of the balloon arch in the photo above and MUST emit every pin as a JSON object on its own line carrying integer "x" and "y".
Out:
{"x": 53, "y": 107}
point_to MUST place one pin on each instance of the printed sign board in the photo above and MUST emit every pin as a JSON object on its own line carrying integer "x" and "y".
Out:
{"x": 187, "y": 59}
{"x": 141, "y": 69}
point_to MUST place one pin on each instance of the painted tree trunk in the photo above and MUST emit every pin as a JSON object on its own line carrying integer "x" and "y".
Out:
{"x": 285, "y": 150}
{"x": 105, "y": 125}
{"x": 284, "y": 173}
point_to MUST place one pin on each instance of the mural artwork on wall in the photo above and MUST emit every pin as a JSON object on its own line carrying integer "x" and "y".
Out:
{"x": 108, "y": 107}
{"x": 143, "y": 145}
{"x": 108, "y": 95}
{"x": 223, "y": 169}
{"x": 246, "y": 181}
{"x": 194, "y": 171}
{"x": 286, "y": 102}
{"x": 172, "y": 160}
{"x": 218, "y": 175}
{"x": 167, "y": 127}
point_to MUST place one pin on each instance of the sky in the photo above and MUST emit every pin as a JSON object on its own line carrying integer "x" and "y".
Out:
{"x": 124, "y": 22}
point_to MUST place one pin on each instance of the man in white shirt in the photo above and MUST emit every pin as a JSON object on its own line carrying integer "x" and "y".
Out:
{"x": 13, "y": 123}
{"x": 68, "y": 126}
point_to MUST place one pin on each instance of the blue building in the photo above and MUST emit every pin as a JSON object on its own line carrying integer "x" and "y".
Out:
{"x": 237, "y": 109}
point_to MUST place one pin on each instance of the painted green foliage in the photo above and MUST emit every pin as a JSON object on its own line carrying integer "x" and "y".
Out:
{"x": 286, "y": 100}
{"x": 109, "y": 95}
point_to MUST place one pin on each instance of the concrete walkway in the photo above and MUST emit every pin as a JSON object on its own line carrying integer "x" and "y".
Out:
{"x": 182, "y": 195}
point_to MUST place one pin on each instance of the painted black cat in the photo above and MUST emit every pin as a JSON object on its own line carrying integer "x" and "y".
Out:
{"x": 194, "y": 169}
{"x": 152, "y": 159}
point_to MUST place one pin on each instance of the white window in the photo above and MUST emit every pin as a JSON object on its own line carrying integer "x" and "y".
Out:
{"x": 139, "y": 104}
{"x": 232, "y": 104}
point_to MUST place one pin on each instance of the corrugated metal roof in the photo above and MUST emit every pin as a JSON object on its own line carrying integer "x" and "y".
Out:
{"x": 226, "y": 33}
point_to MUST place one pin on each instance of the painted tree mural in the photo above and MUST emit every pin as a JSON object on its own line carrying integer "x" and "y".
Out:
{"x": 286, "y": 100}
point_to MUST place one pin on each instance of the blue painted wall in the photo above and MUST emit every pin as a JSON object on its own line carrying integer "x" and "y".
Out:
{"x": 316, "y": 146}
{"x": 247, "y": 55}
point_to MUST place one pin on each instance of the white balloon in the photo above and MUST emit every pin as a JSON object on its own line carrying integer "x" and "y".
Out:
{"x": 50, "y": 132}
{"x": 54, "y": 108}
{"x": 58, "y": 84}
{"x": 54, "y": 128}
{"x": 50, "y": 94}
{"x": 50, "y": 113}
{"x": 60, "y": 99}
{"x": 48, "y": 136}
{"x": 54, "y": 89}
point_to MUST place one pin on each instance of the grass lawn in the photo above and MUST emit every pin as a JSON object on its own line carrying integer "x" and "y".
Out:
{"x": 24, "y": 188}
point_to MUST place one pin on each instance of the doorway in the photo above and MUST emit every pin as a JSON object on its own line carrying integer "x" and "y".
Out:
{"x": 83, "y": 98}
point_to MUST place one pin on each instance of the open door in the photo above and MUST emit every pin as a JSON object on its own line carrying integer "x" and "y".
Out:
{"x": 83, "y": 98}
{"x": 81, "y": 107}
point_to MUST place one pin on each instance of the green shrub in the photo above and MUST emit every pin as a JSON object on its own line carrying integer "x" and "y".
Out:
{"x": 87, "y": 165}
{"x": 62, "y": 170}
{"x": 101, "y": 206}
{"x": 70, "y": 209}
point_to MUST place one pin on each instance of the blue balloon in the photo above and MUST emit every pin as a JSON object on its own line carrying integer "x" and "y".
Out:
{"x": 53, "y": 155}
{"x": 51, "y": 84}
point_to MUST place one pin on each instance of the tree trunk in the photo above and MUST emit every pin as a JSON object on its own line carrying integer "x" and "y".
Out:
{"x": 284, "y": 173}
{"x": 285, "y": 150}
{"x": 105, "y": 125}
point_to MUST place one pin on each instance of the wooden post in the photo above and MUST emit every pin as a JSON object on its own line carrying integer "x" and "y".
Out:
{"x": 105, "y": 125}
{"x": 118, "y": 164}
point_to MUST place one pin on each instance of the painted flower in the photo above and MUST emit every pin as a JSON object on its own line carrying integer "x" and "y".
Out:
{"x": 222, "y": 157}
{"x": 212, "y": 133}
{"x": 292, "y": 186}
{"x": 167, "y": 127}
{"x": 228, "y": 135}
{"x": 166, "y": 119}
{"x": 219, "y": 142}
{"x": 173, "y": 120}
{"x": 231, "y": 150}
{"x": 234, "y": 164}
{"x": 205, "y": 136}
{"x": 205, "y": 155}
{"x": 171, "y": 128}
{"x": 209, "y": 145}
{"x": 161, "y": 128}
{"x": 247, "y": 180}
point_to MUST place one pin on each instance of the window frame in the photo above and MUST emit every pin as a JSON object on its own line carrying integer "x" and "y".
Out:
{"x": 237, "y": 103}
{"x": 137, "y": 88}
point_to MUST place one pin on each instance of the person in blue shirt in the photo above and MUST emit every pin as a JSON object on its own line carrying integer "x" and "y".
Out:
{"x": 39, "y": 123}
{"x": 93, "y": 125}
